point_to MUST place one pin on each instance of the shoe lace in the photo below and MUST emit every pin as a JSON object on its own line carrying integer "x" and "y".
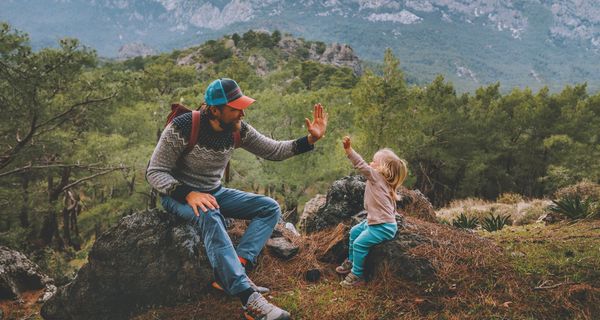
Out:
{"x": 350, "y": 278}
{"x": 260, "y": 306}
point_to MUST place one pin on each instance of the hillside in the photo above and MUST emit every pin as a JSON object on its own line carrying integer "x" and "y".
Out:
{"x": 474, "y": 43}
{"x": 79, "y": 130}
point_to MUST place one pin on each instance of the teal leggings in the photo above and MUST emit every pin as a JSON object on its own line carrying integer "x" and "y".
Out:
{"x": 363, "y": 237}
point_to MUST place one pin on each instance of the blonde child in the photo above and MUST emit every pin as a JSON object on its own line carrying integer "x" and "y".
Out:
{"x": 384, "y": 175}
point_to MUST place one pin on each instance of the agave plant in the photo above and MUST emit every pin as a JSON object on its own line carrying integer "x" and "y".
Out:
{"x": 495, "y": 223}
{"x": 572, "y": 207}
{"x": 464, "y": 222}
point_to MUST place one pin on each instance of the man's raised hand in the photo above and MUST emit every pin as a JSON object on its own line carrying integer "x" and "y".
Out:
{"x": 318, "y": 126}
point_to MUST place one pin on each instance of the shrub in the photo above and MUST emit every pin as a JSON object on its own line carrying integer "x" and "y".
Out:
{"x": 531, "y": 212}
{"x": 495, "y": 223}
{"x": 584, "y": 189}
{"x": 510, "y": 198}
{"x": 573, "y": 207}
{"x": 464, "y": 222}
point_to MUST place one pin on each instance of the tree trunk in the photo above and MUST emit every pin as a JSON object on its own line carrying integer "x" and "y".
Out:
{"x": 49, "y": 232}
{"x": 131, "y": 185}
{"x": 153, "y": 198}
{"x": 23, "y": 215}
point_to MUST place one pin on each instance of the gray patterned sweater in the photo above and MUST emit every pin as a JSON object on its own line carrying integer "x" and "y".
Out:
{"x": 203, "y": 167}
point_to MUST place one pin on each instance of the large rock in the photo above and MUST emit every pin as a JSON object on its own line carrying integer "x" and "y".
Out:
{"x": 415, "y": 204}
{"x": 392, "y": 257}
{"x": 344, "y": 208}
{"x": 344, "y": 200}
{"x": 149, "y": 258}
{"x": 18, "y": 274}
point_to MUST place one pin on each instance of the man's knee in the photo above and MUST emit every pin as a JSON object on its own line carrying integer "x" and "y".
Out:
{"x": 271, "y": 209}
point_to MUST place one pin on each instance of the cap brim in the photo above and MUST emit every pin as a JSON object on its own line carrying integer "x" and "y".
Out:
{"x": 241, "y": 103}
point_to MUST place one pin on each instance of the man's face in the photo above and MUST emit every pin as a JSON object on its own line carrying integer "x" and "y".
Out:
{"x": 230, "y": 118}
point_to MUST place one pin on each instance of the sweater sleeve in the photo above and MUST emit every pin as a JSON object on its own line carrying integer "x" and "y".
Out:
{"x": 361, "y": 165}
{"x": 265, "y": 147}
{"x": 163, "y": 161}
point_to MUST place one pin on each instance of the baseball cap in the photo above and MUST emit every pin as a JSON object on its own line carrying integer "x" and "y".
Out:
{"x": 226, "y": 91}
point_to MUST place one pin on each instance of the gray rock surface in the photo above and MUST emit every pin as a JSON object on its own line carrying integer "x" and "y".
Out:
{"x": 149, "y": 258}
{"x": 282, "y": 247}
{"x": 310, "y": 208}
{"x": 344, "y": 200}
{"x": 19, "y": 274}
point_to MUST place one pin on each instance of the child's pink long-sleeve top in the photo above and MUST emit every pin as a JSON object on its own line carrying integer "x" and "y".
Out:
{"x": 380, "y": 206}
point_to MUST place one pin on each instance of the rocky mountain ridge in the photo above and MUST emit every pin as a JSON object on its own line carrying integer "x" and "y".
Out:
{"x": 571, "y": 19}
{"x": 473, "y": 43}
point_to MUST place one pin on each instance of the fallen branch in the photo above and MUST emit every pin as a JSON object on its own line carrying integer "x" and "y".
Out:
{"x": 544, "y": 285}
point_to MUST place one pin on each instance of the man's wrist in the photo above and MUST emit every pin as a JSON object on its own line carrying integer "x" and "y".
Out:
{"x": 311, "y": 139}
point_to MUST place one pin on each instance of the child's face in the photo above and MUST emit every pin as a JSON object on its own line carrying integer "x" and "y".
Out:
{"x": 376, "y": 160}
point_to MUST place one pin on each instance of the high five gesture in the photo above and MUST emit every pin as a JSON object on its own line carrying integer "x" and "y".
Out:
{"x": 318, "y": 126}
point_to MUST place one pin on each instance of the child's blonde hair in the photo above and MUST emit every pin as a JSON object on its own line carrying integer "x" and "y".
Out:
{"x": 393, "y": 169}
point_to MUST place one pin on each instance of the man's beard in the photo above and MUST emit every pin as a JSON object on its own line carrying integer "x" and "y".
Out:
{"x": 230, "y": 127}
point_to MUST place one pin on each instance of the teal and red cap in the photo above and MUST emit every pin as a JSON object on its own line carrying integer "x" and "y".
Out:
{"x": 226, "y": 91}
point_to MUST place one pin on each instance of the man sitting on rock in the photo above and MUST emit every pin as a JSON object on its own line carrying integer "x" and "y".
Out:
{"x": 190, "y": 185}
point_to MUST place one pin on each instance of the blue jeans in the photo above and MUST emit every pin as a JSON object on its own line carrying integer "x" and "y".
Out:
{"x": 363, "y": 237}
{"x": 263, "y": 212}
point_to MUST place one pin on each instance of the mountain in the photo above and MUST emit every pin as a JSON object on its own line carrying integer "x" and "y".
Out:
{"x": 531, "y": 43}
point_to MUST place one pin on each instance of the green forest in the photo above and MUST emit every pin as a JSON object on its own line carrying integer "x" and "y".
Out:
{"x": 77, "y": 132}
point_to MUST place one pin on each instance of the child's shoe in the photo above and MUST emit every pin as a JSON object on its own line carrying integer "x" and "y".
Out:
{"x": 345, "y": 267}
{"x": 352, "y": 280}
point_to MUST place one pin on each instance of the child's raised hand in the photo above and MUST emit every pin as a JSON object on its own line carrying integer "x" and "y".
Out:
{"x": 346, "y": 142}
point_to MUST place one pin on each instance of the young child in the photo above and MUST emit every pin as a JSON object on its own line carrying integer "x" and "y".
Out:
{"x": 384, "y": 175}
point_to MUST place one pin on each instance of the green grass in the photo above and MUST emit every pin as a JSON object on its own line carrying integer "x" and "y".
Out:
{"x": 568, "y": 252}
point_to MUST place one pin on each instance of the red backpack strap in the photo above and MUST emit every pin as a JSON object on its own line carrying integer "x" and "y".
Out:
{"x": 237, "y": 139}
{"x": 194, "y": 133}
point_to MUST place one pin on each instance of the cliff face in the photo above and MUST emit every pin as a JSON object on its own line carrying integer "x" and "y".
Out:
{"x": 571, "y": 19}
{"x": 473, "y": 43}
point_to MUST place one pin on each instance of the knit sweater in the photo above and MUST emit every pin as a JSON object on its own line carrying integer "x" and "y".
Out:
{"x": 380, "y": 206}
{"x": 202, "y": 168}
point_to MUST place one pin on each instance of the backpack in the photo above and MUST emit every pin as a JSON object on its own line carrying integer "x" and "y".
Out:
{"x": 179, "y": 109}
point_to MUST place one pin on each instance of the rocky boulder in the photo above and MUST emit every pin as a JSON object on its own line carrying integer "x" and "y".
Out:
{"x": 341, "y": 55}
{"x": 310, "y": 208}
{"x": 149, "y": 258}
{"x": 415, "y": 204}
{"x": 18, "y": 274}
{"x": 392, "y": 257}
{"x": 344, "y": 200}
{"x": 343, "y": 208}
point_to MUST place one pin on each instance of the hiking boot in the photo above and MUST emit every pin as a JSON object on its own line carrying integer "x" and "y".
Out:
{"x": 345, "y": 267}
{"x": 259, "y": 289}
{"x": 352, "y": 280}
{"x": 258, "y": 308}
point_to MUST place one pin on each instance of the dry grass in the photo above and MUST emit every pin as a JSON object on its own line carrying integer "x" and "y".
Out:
{"x": 522, "y": 212}
{"x": 476, "y": 279}
{"x": 26, "y": 308}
